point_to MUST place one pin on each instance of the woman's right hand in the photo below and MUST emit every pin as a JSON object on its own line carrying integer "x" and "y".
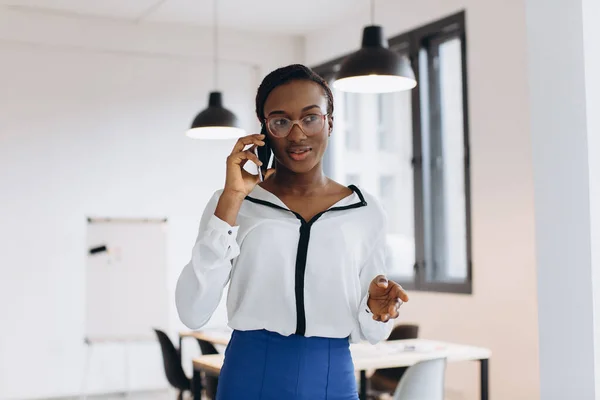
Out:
{"x": 238, "y": 181}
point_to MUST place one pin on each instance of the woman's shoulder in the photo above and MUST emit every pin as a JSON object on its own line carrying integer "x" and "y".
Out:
{"x": 368, "y": 197}
{"x": 372, "y": 204}
{"x": 372, "y": 201}
{"x": 373, "y": 209}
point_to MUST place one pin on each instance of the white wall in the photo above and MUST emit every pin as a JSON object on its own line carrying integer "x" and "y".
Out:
{"x": 92, "y": 122}
{"x": 562, "y": 192}
{"x": 591, "y": 32}
{"x": 502, "y": 312}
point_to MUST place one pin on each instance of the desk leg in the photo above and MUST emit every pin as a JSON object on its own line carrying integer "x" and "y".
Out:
{"x": 196, "y": 385}
{"x": 363, "y": 385}
{"x": 485, "y": 379}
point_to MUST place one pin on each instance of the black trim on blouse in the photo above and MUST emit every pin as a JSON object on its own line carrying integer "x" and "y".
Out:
{"x": 303, "y": 250}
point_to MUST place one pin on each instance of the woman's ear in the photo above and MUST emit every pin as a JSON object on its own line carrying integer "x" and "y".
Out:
{"x": 330, "y": 118}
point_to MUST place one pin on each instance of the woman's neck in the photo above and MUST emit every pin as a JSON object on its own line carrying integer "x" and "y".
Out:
{"x": 292, "y": 183}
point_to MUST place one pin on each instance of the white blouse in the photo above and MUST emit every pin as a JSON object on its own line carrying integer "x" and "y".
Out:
{"x": 288, "y": 275}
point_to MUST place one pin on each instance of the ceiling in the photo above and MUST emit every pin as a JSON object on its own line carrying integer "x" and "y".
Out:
{"x": 275, "y": 16}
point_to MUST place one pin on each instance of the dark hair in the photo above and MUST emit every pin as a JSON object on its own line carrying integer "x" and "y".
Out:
{"x": 284, "y": 75}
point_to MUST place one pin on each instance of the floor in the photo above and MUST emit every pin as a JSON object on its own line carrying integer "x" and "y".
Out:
{"x": 159, "y": 395}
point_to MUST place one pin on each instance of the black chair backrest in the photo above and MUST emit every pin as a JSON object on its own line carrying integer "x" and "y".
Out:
{"x": 172, "y": 363}
{"x": 207, "y": 347}
{"x": 404, "y": 332}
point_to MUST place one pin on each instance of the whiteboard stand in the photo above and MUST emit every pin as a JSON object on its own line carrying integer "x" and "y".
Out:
{"x": 86, "y": 369}
{"x": 126, "y": 366}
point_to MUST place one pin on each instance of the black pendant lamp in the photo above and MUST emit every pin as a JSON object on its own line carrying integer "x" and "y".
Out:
{"x": 375, "y": 68}
{"x": 215, "y": 121}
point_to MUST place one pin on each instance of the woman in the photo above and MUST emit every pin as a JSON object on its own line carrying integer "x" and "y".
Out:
{"x": 304, "y": 257}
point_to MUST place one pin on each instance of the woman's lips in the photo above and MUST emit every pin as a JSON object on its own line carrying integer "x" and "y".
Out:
{"x": 299, "y": 154}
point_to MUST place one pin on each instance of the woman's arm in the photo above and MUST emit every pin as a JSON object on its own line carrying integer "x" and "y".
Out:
{"x": 201, "y": 283}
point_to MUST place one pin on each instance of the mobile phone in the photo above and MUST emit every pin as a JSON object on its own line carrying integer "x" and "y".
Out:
{"x": 260, "y": 173}
{"x": 264, "y": 152}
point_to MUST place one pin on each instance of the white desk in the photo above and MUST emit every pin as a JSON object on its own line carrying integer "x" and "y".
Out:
{"x": 387, "y": 354}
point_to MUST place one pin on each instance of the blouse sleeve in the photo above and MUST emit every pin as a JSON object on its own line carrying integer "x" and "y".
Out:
{"x": 371, "y": 330}
{"x": 201, "y": 283}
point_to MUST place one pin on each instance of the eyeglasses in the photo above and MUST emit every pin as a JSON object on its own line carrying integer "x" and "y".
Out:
{"x": 310, "y": 124}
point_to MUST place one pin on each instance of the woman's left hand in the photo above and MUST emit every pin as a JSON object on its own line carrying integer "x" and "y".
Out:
{"x": 385, "y": 298}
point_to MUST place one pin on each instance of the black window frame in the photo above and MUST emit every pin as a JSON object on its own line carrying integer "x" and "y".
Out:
{"x": 412, "y": 43}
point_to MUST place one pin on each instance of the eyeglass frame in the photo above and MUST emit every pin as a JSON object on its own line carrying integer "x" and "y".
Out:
{"x": 294, "y": 122}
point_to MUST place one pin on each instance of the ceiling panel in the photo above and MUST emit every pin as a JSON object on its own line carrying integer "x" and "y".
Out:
{"x": 260, "y": 15}
{"x": 122, "y": 9}
{"x": 252, "y": 15}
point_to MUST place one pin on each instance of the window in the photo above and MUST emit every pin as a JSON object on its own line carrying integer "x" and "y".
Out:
{"x": 386, "y": 105}
{"x": 411, "y": 150}
{"x": 352, "y": 127}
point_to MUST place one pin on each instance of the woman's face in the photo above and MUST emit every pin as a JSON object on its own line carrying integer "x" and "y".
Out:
{"x": 299, "y": 100}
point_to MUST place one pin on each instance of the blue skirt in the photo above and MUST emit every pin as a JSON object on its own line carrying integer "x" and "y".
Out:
{"x": 263, "y": 365}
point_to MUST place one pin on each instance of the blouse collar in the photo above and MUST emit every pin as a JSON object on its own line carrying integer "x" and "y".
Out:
{"x": 261, "y": 195}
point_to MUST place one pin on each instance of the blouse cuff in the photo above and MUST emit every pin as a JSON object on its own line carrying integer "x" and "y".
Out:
{"x": 217, "y": 224}
{"x": 373, "y": 331}
{"x": 220, "y": 237}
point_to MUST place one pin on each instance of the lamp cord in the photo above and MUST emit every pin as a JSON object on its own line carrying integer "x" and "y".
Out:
{"x": 215, "y": 46}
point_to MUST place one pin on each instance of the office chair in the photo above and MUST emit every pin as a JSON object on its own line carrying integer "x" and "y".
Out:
{"x": 172, "y": 363}
{"x": 386, "y": 380}
{"x": 424, "y": 380}
{"x": 210, "y": 382}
